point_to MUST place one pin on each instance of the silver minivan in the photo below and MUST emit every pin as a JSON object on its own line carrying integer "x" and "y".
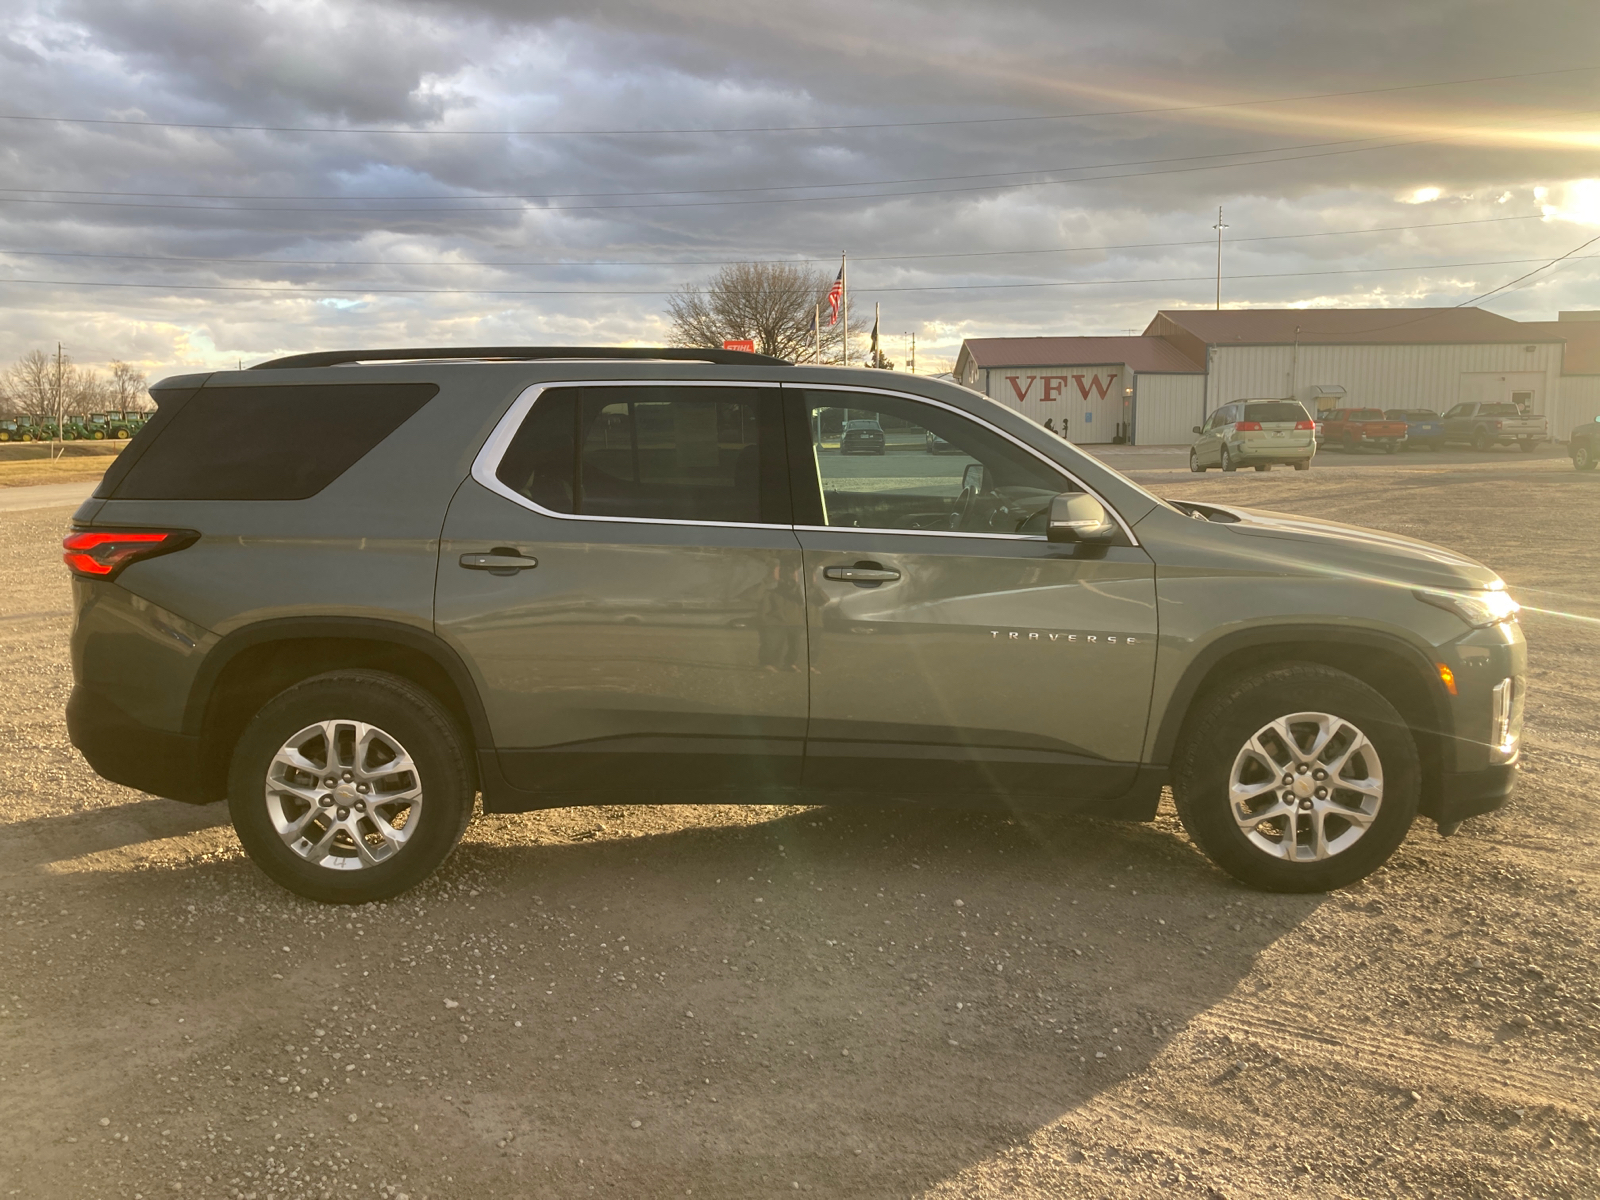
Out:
{"x": 1255, "y": 433}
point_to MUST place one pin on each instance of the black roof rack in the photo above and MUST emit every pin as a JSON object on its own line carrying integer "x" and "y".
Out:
{"x": 333, "y": 358}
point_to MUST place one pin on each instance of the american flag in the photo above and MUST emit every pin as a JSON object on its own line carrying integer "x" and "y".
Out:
{"x": 836, "y": 296}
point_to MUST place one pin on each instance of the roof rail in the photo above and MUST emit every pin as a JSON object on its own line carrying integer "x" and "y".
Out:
{"x": 333, "y": 358}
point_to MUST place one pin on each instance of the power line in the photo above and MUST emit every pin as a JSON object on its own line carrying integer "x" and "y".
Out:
{"x": 954, "y": 287}
{"x": 722, "y": 262}
{"x": 998, "y": 187}
{"x": 783, "y": 187}
{"x": 1126, "y": 112}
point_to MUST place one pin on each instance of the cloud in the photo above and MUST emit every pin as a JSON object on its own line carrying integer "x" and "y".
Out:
{"x": 452, "y": 236}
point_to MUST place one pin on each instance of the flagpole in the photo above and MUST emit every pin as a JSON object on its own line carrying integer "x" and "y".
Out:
{"x": 844, "y": 302}
{"x": 816, "y": 329}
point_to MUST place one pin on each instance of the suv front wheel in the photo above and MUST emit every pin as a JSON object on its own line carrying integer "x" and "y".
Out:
{"x": 1297, "y": 779}
{"x": 350, "y": 787}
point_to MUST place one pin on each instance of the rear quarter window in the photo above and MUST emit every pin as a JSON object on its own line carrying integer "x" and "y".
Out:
{"x": 266, "y": 443}
{"x": 1367, "y": 414}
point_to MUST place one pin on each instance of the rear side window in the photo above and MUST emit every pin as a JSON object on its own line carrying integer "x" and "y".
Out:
{"x": 267, "y": 443}
{"x": 1280, "y": 410}
{"x": 1367, "y": 414}
{"x": 676, "y": 453}
{"x": 1499, "y": 410}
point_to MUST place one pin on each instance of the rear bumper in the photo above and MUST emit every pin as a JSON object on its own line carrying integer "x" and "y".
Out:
{"x": 124, "y": 751}
{"x": 1270, "y": 452}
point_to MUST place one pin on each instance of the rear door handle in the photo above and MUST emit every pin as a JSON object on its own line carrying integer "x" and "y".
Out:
{"x": 498, "y": 562}
{"x": 860, "y": 574}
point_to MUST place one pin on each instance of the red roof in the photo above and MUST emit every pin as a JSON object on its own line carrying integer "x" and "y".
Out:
{"x": 1582, "y": 355}
{"x": 1334, "y": 326}
{"x": 1150, "y": 354}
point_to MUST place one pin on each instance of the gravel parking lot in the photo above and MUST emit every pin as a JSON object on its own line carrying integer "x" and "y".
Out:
{"x": 726, "y": 1002}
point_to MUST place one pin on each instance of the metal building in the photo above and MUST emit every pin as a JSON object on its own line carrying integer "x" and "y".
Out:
{"x": 1090, "y": 389}
{"x": 1153, "y": 389}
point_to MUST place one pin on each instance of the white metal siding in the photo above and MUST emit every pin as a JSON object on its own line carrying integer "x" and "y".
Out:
{"x": 1084, "y": 404}
{"x": 1577, "y": 403}
{"x": 1417, "y": 376}
{"x": 1167, "y": 408}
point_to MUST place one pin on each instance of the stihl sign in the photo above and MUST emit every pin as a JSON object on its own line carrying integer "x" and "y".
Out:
{"x": 1058, "y": 387}
{"x": 748, "y": 345}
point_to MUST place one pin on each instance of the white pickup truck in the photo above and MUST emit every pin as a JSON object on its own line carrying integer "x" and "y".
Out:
{"x": 1485, "y": 425}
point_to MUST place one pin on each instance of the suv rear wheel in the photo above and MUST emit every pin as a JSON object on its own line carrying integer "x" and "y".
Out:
{"x": 350, "y": 787}
{"x": 1297, "y": 779}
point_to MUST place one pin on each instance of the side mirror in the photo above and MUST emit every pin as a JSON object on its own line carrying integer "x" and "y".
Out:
{"x": 974, "y": 479}
{"x": 1078, "y": 517}
{"x": 1196, "y": 429}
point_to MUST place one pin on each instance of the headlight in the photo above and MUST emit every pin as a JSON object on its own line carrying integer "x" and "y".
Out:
{"x": 1477, "y": 609}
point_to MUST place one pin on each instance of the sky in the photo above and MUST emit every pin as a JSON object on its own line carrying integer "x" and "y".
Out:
{"x": 192, "y": 185}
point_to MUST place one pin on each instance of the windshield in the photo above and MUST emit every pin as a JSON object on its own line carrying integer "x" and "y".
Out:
{"x": 1276, "y": 410}
{"x": 1500, "y": 410}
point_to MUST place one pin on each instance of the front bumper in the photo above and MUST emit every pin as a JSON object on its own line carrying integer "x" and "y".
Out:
{"x": 1466, "y": 794}
{"x": 124, "y": 751}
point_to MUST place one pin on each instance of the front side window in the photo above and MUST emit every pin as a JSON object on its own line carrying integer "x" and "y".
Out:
{"x": 935, "y": 470}
{"x": 663, "y": 452}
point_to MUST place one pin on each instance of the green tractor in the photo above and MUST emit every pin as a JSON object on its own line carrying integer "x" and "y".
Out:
{"x": 10, "y": 431}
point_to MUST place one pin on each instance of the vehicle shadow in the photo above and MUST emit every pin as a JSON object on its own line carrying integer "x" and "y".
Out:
{"x": 862, "y": 1000}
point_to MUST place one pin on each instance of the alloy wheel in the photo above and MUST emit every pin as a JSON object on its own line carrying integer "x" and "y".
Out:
{"x": 343, "y": 795}
{"x": 1306, "y": 787}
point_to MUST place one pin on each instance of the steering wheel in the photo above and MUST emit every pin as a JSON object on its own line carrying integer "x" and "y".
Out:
{"x": 963, "y": 509}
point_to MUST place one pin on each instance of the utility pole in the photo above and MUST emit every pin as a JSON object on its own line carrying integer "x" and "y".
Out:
{"x": 1219, "y": 227}
{"x": 816, "y": 330}
{"x": 60, "y": 415}
{"x": 913, "y": 356}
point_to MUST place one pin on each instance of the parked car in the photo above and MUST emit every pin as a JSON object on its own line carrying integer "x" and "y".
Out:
{"x": 1424, "y": 427}
{"x": 1255, "y": 433}
{"x": 351, "y": 645}
{"x": 1358, "y": 428}
{"x": 861, "y": 437}
{"x": 1484, "y": 426}
{"x": 1584, "y": 445}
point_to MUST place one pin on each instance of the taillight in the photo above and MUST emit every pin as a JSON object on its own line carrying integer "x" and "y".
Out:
{"x": 1494, "y": 424}
{"x": 102, "y": 554}
{"x": 1248, "y": 426}
{"x": 1304, "y": 425}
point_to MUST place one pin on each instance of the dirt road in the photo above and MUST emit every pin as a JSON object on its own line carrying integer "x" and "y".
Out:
{"x": 851, "y": 1002}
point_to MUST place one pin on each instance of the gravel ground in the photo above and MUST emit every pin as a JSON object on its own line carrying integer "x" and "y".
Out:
{"x": 865, "y": 1002}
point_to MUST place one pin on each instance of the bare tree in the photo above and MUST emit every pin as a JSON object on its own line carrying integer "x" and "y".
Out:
{"x": 772, "y": 304}
{"x": 31, "y": 383}
{"x": 127, "y": 388}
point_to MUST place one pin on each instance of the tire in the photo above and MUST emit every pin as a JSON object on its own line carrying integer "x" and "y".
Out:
{"x": 1583, "y": 458}
{"x": 1263, "y": 468}
{"x": 402, "y": 717}
{"x": 1349, "y": 445}
{"x": 1303, "y": 464}
{"x": 1227, "y": 461}
{"x": 1526, "y": 445}
{"x": 1481, "y": 440}
{"x": 1392, "y": 448}
{"x": 122, "y": 435}
{"x": 1214, "y": 755}
{"x": 1194, "y": 462}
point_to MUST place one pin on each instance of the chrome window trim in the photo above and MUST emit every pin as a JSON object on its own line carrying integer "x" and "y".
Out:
{"x": 961, "y": 412}
{"x": 499, "y": 441}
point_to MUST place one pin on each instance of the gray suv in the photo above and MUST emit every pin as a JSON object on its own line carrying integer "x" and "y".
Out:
{"x": 351, "y": 592}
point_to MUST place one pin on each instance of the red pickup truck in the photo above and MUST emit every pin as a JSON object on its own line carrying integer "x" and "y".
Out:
{"x": 1353, "y": 428}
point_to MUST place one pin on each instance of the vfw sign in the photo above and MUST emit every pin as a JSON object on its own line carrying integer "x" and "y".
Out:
{"x": 1083, "y": 403}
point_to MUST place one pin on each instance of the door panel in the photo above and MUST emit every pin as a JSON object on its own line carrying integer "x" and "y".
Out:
{"x": 653, "y": 654}
{"x": 972, "y": 659}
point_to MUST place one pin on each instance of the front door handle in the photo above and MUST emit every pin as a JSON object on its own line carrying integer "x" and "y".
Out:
{"x": 499, "y": 561}
{"x": 867, "y": 575}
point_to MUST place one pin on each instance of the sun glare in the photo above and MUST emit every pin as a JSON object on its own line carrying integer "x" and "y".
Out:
{"x": 1424, "y": 195}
